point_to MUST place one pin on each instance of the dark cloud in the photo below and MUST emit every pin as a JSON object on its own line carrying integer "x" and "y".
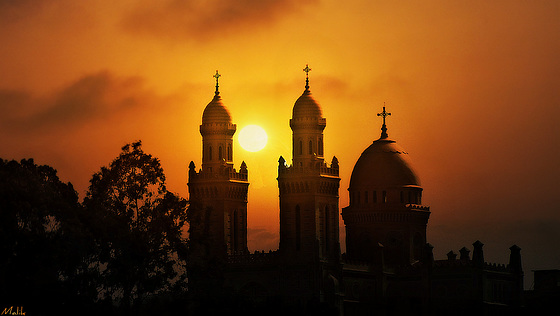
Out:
{"x": 262, "y": 239}
{"x": 92, "y": 97}
{"x": 204, "y": 20}
{"x": 15, "y": 10}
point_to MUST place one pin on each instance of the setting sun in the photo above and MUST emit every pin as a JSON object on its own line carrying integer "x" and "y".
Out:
{"x": 252, "y": 138}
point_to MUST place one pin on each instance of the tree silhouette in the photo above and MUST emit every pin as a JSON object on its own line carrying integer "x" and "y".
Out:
{"x": 139, "y": 230}
{"x": 43, "y": 241}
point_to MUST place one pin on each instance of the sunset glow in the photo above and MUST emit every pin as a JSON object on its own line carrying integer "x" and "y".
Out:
{"x": 472, "y": 88}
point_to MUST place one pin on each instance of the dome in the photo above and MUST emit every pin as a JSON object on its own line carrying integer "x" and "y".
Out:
{"x": 306, "y": 106}
{"x": 216, "y": 112}
{"x": 383, "y": 164}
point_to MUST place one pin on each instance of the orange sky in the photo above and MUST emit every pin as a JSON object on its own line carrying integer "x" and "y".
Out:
{"x": 473, "y": 88}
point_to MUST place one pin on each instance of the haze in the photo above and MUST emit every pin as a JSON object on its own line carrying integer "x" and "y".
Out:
{"x": 472, "y": 87}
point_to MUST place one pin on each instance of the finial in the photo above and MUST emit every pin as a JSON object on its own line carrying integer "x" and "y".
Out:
{"x": 217, "y": 76}
{"x": 384, "y": 114}
{"x": 307, "y": 70}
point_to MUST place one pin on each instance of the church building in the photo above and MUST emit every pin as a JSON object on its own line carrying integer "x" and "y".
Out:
{"x": 388, "y": 267}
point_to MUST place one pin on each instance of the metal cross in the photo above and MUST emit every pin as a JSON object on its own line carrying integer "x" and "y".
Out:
{"x": 217, "y": 76}
{"x": 384, "y": 114}
{"x": 307, "y": 70}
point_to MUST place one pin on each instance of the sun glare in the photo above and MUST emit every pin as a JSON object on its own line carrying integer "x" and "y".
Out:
{"x": 252, "y": 138}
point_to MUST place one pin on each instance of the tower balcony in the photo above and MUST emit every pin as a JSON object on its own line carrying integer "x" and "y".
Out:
{"x": 308, "y": 122}
{"x": 218, "y": 128}
{"x": 224, "y": 171}
{"x": 319, "y": 168}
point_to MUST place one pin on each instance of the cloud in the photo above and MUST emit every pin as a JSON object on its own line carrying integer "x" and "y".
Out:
{"x": 89, "y": 98}
{"x": 262, "y": 239}
{"x": 204, "y": 20}
{"x": 15, "y": 10}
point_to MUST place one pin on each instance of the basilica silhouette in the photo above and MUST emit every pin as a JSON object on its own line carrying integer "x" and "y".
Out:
{"x": 388, "y": 267}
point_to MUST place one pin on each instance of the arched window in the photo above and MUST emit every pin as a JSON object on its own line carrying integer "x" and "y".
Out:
{"x": 300, "y": 147}
{"x": 235, "y": 232}
{"x": 220, "y": 154}
{"x": 298, "y": 228}
{"x": 366, "y": 197}
{"x": 384, "y": 199}
{"x": 209, "y": 152}
{"x": 327, "y": 227}
{"x": 311, "y": 147}
{"x": 320, "y": 147}
{"x": 229, "y": 152}
{"x": 374, "y": 196}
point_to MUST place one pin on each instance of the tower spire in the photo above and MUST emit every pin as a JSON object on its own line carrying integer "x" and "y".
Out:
{"x": 217, "y": 76}
{"x": 307, "y": 70}
{"x": 384, "y": 114}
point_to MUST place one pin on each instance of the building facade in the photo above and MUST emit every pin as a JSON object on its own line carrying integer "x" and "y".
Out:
{"x": 388, "y": 266}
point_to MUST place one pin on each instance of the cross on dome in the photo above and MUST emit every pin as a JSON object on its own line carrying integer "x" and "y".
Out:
{"x": 307, "y": 70}
{"x": 384, "y": 114}
{"x": 217, "y": 76}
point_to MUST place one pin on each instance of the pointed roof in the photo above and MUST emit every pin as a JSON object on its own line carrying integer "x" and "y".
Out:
{"x": 215, "y": 111}
{"x": 306, "y": 106}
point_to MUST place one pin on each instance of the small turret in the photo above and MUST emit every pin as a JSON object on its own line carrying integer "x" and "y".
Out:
{"x": 515, "y": 259}
{"x": 465, "y": 254}
{"x": 478, "y": 254}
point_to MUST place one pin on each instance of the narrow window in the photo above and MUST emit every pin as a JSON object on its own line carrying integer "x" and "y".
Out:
{"x": 384, "y": 200}
{"x": 320, "y": 147}
{"x": 300, "y": 147}
{"x": 311, "y": 147}
{"x": 374, "y": 196}
{"x": 327, "y": 228}
{"x": 209, "y": 152}
{"x": 229, "y": 152}
{"x": 220, "y": 154}
{"x": 366, "y": 197}
{"x": 298, "y": 228}
{"x": 235, "y": 232}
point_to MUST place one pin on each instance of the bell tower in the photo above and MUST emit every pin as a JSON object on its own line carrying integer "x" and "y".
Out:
{"x": 218, "y": 192}
{"x": 308, "y": 187}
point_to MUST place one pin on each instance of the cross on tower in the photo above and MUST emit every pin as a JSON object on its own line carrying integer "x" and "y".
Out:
{"x": 384, "y": 114}
{"x": 307, "y": 70}
{"x": 217, "y": 76}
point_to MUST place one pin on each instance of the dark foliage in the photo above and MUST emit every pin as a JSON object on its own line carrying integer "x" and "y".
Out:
{"x": 121, "y": 252}
{"x": 139, "y": 231}
{"x": 43, "y": 241}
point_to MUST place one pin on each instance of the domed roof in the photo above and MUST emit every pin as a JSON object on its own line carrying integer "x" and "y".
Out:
{"x": 306, "y": 106}
{"x": 216, "y": 112}
{"x": 383, "y": 164}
